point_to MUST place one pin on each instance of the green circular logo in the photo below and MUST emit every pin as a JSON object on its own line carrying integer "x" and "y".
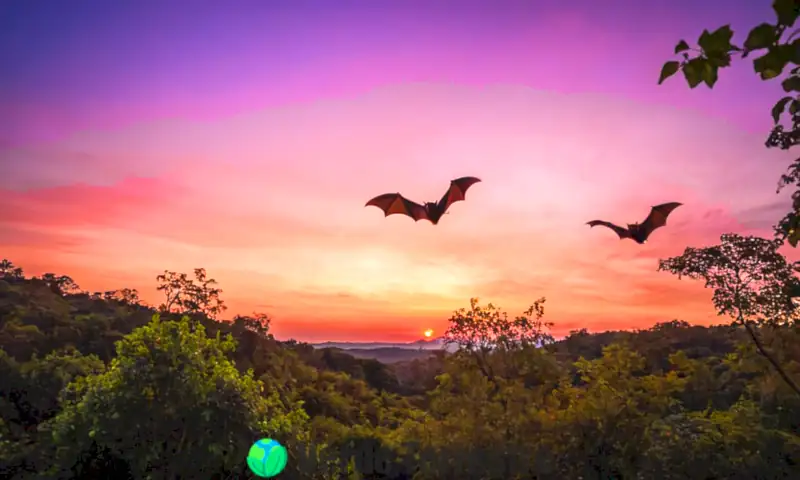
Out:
{"x": 267, "y": 458}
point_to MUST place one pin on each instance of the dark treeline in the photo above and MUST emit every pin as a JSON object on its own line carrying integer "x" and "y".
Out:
{"x": 102, "y": 386}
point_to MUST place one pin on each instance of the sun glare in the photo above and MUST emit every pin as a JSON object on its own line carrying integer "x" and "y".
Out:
{"x": 428, "y": 333}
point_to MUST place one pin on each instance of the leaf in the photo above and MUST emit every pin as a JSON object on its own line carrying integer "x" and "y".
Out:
{"x": 717, "y": 41}
{"x": 794, "y": 107}
{"x": 762, "y": 36}
{"x": 669, "y": 69}
{"x": 794, "y": 237}
{"x": 709, "y": 74}
{"x": 786, "y": 11}
{"x": 682, "y": 46}
{"x": 791, "y": 84}
{"x": 693, "y": 71}
{"x": 722, "y": 59}
{"x": 795, "y": 58}
{"x": 771, "y": 64}
{"x": 705, "y": 39}
{"x": 779, "y": 107}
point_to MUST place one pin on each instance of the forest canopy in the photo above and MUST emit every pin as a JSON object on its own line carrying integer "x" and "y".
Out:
{"x": 100, "y": 385}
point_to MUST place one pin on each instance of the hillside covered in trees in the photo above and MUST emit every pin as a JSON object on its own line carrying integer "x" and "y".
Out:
{"x": 99, "y": 385}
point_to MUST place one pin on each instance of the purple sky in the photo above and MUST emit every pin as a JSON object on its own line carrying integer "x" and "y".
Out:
{"x": 100, "y": 64}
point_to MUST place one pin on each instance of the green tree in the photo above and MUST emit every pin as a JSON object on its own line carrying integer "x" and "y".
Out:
{"x": 29, "y": 396}
{"x": 734, "y": 443}
{"x": 779, "y": 48}
{"x": 597, "y": 427}
{"x": 752, "y": 282}
{"x": 481, "y": 411}
{"x": 481, "y": 331}
{"x": 171, "y": 405}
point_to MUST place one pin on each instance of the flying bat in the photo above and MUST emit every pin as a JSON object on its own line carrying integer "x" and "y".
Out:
{"x": 392, "y": 203}
{"x": 639, "y": 232}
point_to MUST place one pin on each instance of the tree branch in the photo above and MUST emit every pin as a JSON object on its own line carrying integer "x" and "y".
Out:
{"x": 769, "y": 356}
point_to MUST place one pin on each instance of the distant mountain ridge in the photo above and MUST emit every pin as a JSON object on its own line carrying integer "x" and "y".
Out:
{"x": 434, "y": 344}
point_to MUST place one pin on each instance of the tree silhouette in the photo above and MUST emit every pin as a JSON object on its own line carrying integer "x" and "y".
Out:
{"x": 9, "y": 270}
{"x": 60, "y": 284}
{"x": 752, "y": 282}
{"x": 185, "y": 297}
{"x": 126, "y": 296}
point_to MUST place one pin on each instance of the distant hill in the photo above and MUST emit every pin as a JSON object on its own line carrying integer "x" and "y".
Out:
{"x": 434, "y": 344}
{"x": 389, "y": 355}
{"x": 386, "y": 353}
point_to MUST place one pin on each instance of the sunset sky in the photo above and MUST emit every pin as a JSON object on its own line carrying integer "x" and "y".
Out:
{"x": 246, "y": 136}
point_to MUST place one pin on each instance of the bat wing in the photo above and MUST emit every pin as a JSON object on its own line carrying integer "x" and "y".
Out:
{"x": 621, "y": 232}
{"x": 392, "y": 203}
{"x": 457, "y": 191}
{"x": 658, "y": 217}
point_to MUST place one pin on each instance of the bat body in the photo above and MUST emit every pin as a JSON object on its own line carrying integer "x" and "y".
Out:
{"x": 639, "y": 232}
{"x": 392, "y": 203}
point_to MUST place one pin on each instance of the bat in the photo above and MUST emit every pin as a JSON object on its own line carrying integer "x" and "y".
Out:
{"x": 392, "y": 203}
{"x": 639, "y": 232}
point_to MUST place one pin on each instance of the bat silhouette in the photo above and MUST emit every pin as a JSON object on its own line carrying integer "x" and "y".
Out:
{"x": 392, "y": 203}
{"x": 639, "y": 232}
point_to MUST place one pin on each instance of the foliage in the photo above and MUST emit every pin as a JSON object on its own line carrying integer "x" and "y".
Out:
{"x": 750, "y": 278}
{"x": 752, "y": 282}
{"x": 479, "y": 331}
{"x": 779, "y": 49}
{"x": 484, "y": 328}
{"x": 60, "y": 284}
{"x": 125, "y": 296}
{"x": 109, "y": 389}
{"x": 9, "y": 270}
{"x": 170, "y": 403}
{"x": 186, "y": 297}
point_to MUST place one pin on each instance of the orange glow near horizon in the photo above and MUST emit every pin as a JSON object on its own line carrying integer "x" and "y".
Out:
{"x": 428, "y": 333}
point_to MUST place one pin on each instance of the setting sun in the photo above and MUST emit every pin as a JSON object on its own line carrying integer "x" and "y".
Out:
{"x": 428, "y": 333}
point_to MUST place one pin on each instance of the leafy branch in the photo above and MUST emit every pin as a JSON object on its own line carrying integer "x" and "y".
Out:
{"x": 752, "y": 282}
{"x": 779, "y": 48}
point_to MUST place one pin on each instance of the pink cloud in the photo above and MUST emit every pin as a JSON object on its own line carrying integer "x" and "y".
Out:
{"x": 81, "y": 205}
